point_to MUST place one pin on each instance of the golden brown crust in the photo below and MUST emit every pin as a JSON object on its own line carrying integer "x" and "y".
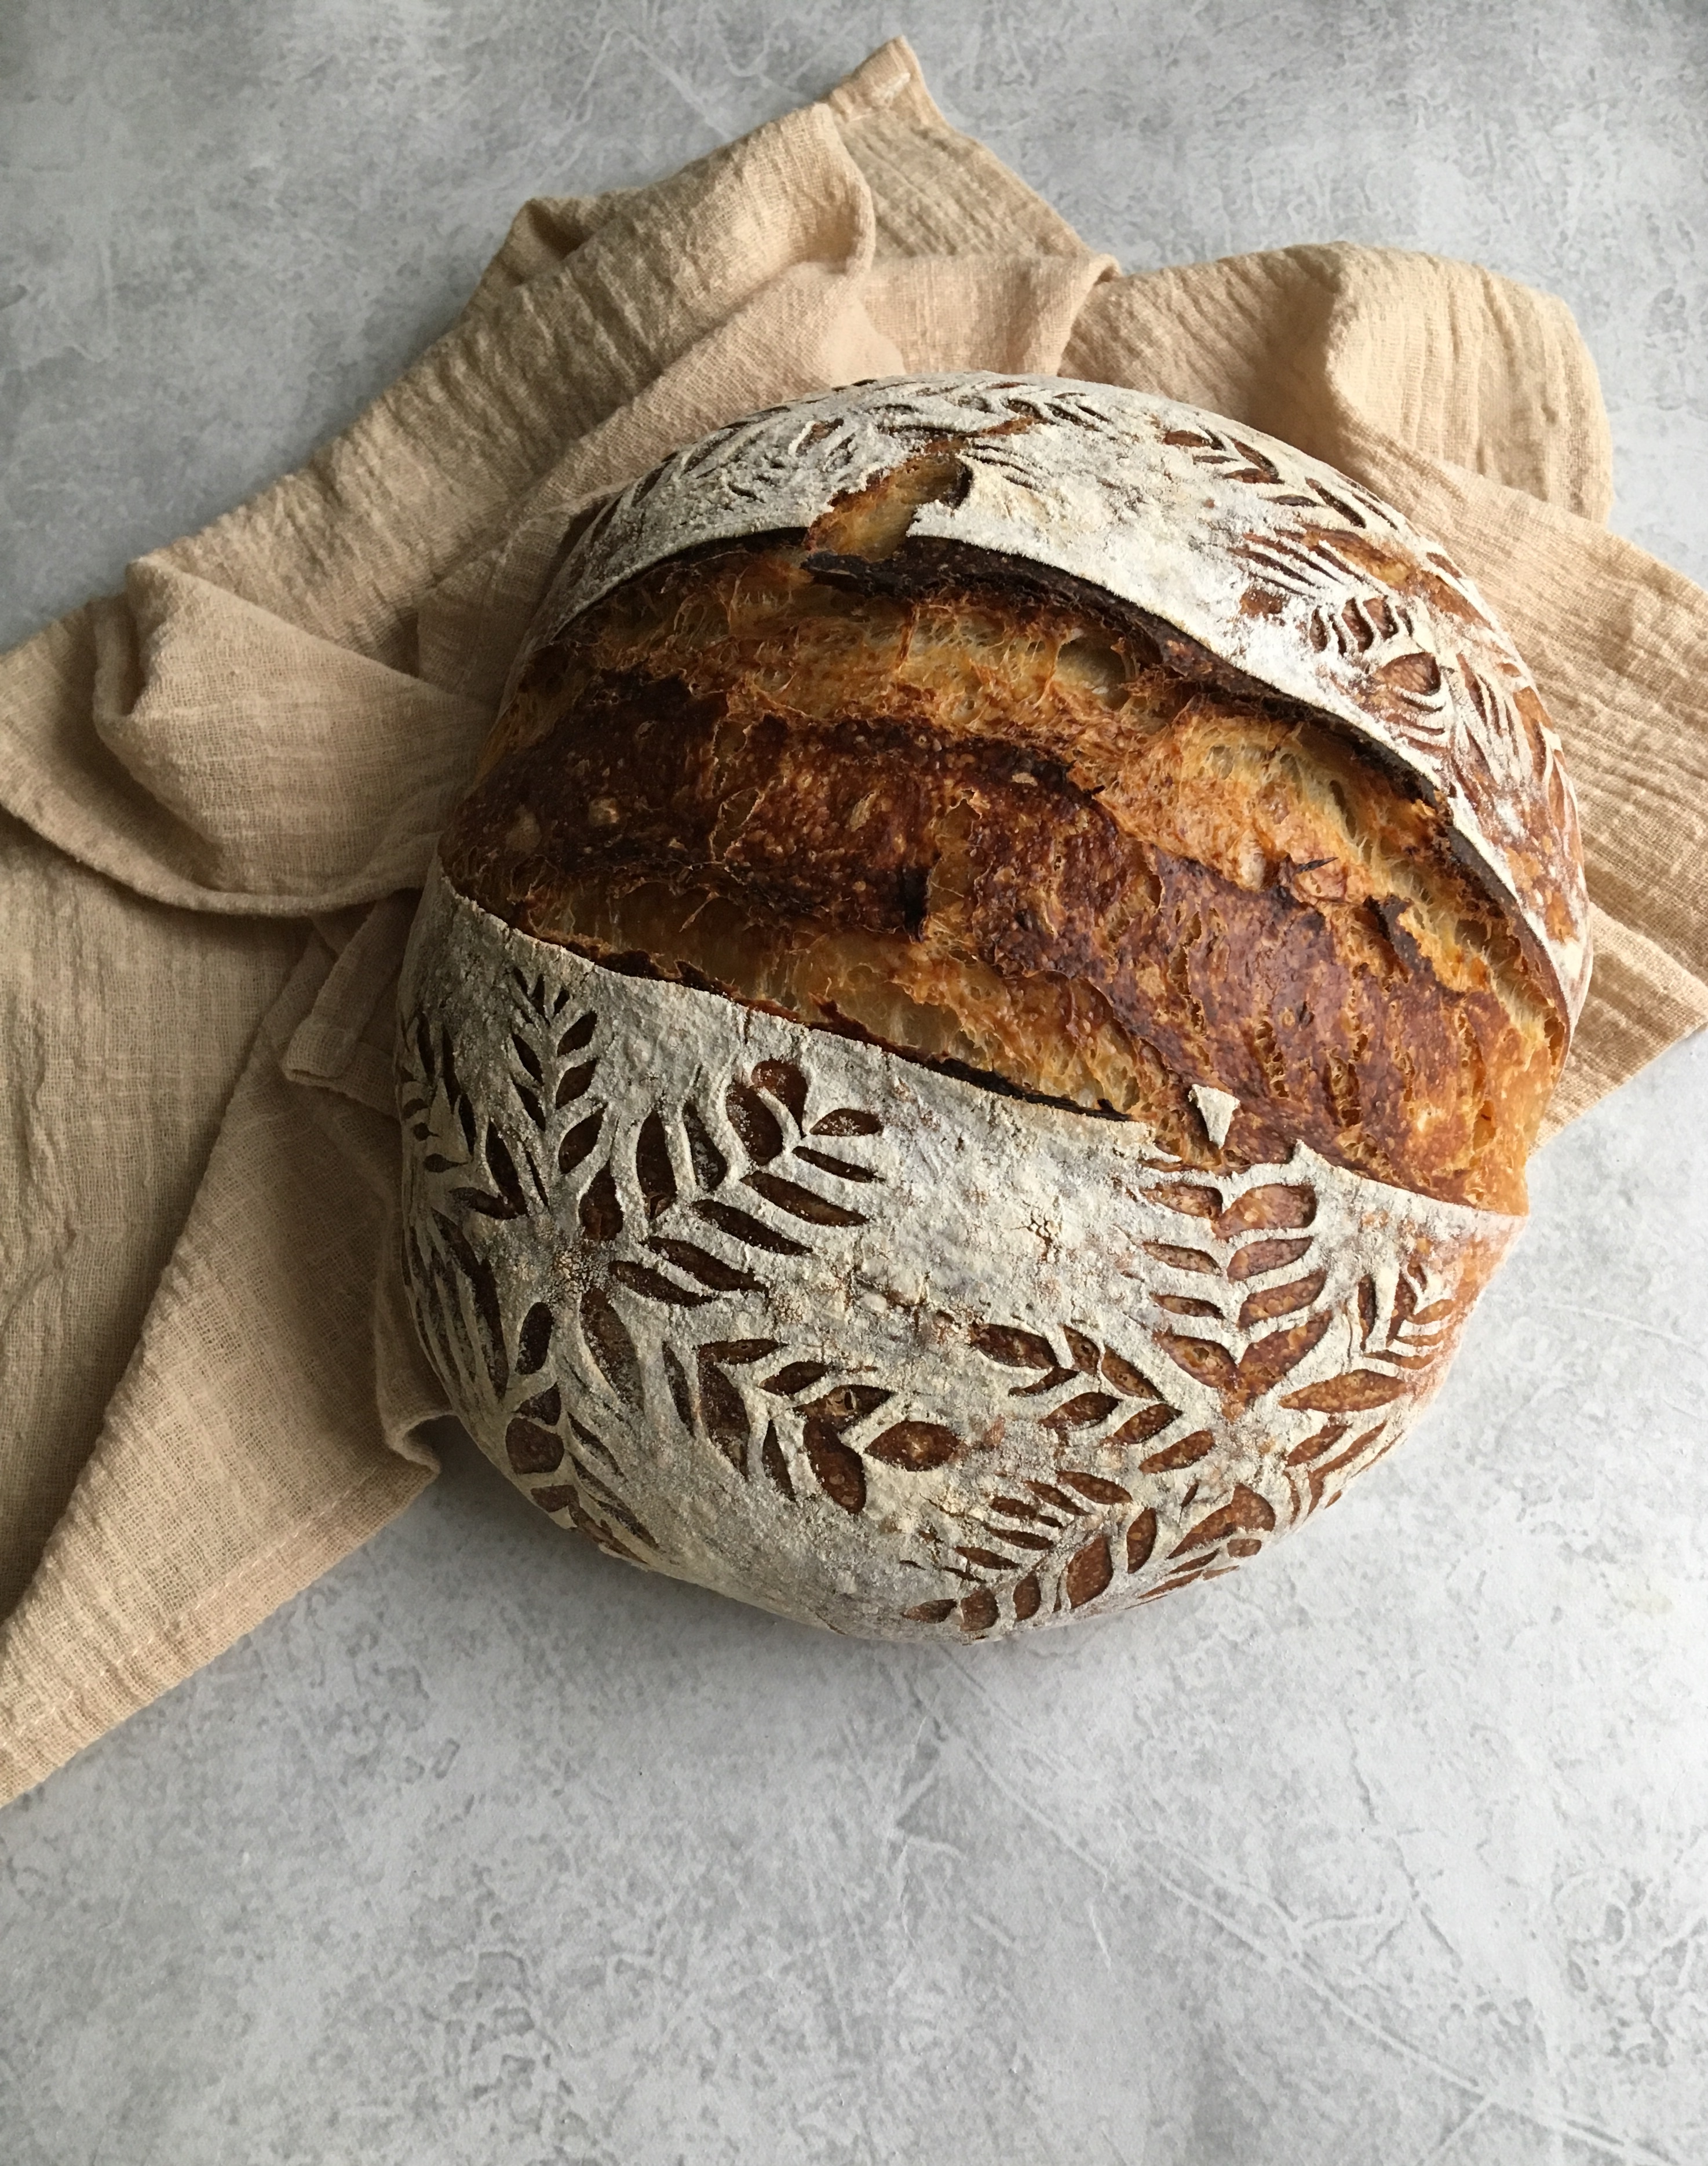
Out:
{"x": 893, "y": 790}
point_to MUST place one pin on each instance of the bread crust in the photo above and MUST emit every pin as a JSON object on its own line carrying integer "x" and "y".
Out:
{"x": 1256, "y": 558}
{"x": 986, "y": 818}
{"x": 1095, "y": 752}
{"x": 763, "y": 1307}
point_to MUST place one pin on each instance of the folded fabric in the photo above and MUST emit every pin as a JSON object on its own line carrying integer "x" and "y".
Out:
{"x": 221, "y": 788}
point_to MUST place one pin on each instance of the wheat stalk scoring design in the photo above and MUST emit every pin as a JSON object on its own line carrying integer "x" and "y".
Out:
{"x": 688, "y": 1273}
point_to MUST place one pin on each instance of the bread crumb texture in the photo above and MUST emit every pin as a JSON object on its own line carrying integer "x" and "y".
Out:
{"x": 910, "y": 793}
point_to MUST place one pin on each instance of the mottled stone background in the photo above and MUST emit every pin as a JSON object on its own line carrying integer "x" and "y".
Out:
{"x": 1391, "y": 1850}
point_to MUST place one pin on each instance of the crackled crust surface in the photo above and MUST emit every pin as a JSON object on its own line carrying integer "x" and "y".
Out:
{"x": 993, "y": 819}
{"x": 1270, "y": 560}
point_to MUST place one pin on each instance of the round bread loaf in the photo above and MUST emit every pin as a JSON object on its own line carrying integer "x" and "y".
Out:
{"x": 977, "y": 1034}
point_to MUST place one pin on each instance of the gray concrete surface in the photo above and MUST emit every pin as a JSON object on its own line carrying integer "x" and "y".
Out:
{"x": 1393, "y": 1850}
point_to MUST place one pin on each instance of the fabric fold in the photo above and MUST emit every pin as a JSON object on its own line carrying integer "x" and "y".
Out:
{"x": 242, "y": 729}
{"x": 244, "y": 1431}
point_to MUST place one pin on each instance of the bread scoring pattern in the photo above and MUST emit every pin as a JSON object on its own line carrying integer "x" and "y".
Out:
{"x": 973, "y": 1046}
{"x": 776, "y": 1311}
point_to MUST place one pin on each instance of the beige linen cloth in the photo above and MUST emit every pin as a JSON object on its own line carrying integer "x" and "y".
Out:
{"x": 221, "y": 788}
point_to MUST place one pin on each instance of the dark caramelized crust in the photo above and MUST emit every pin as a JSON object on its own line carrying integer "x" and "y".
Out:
{"x": 918, "y": 798}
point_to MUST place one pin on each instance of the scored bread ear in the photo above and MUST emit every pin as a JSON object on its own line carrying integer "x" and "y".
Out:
{"x": 993, "y": 815}
{"x": 1258, "y": 560}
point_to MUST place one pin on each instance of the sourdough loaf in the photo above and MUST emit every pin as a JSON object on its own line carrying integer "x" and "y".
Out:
{"x": 979, "y": 1028}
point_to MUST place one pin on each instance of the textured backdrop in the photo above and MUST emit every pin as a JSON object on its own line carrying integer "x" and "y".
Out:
{"x": 1392, "y": 1852}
